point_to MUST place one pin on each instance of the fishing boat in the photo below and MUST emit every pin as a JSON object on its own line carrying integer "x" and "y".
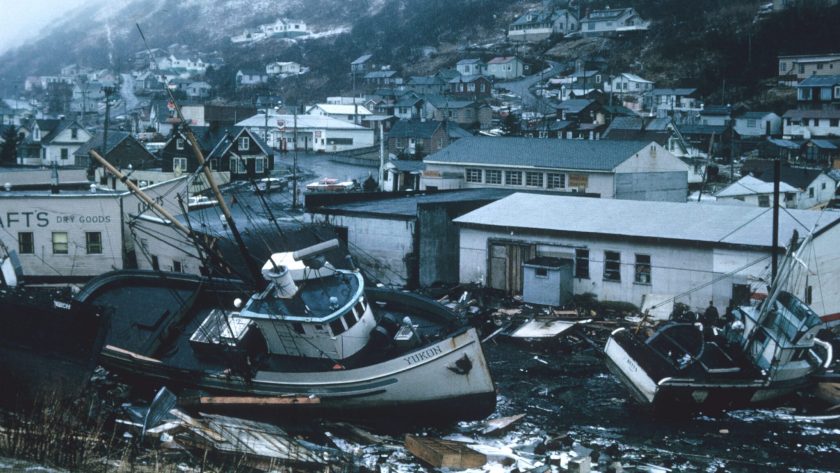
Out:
{"x": 315, "y": 339}
{"x": 328, "y": 184}
{"x": 765, "y": 351}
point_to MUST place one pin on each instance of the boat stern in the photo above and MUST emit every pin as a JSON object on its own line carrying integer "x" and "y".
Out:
{"x": 622, "y": 364}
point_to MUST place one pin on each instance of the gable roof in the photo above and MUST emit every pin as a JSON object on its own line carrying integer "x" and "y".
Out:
{"x": 414, "y": 128}
{"x": 114, "y": 138}
{"x": 229, "y": 138}
{"x": 669, "y": 91}
{"x": 380, "y": 74}
{"x": 607, "y": 14}
{"x": 557, "y": 154}
{"x": 820, "y": 81}
{"x": 762, "y": 169}
{"x": 575, "y": 105}
{"x": 503, "y": 60}
{"x": 754, "y": 115}
{"x": 749, "y": 185}
{"x": 63, "y": 125}
{"x": 464, "y": 62}
{"x": 362, "y": 59}
{"x": 342, "y": 109}
{"x": 719, "y": 225}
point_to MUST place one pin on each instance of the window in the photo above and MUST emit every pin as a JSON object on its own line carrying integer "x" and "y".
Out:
{"x": 582, "y": 263}
{"x": 179, "y": 143}
{"x": 837, "y": 91}
{"x": 339, "y": 141}
{"x": 93, "y": 243}
{"x": 612, "y": 266}
{"x": 493, "y": 176}
{"x": 534, "y": 179}
{"x": 74, "y": 133}
{"x": 804, "y": 94}
{"x": 179, "y": 164}
{"x": 823, "y": 186}
{"x": 809, "y": 294}
{"x": 802, "y": 69}
{"x": 751, "y": 123}
{"x": 541, "y": 272}
{"x": 513, "y": 178}
{"x": 65, "y": 153}
{"x": 810, "y": 192}
{"x": 59, "y": 242}
{"x": 337, "y": 327}
{"x": 833, "y": 122}
{"x": 642, "y": 269}
{"x": 26, "y": 243}
{"x": 556, "y": 180}
{"x": 764, "y": 201}
{"x": 244, "y": 143}
{"x": 237, "y": 165}
{"x": 259, "y": 165}
{"x": 177, "y": 267}
{"x": 155, "y": 263}
{"x": 473, "y": 175}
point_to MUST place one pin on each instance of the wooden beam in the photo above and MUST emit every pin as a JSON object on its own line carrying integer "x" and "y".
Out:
{"x": 444, "y": 453}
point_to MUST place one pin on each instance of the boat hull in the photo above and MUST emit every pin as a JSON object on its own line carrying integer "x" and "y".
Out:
{"x": 445, "y": 378}
{"x": 669, "y": 391}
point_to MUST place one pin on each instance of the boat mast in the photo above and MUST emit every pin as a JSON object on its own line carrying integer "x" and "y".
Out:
{"x": 777, "y": 168}
{"x": 249, "y": 262}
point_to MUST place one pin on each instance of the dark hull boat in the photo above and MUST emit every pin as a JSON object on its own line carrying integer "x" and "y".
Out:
{"x": 47, "y": 352}
{"x": 765, "y": 352}
{"x": 314, "y": 341}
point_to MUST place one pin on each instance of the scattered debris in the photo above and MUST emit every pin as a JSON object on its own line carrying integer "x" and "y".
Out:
{"x": 444, "y": 453}
{"x": 542, "y": 328}
{"x": 500, "y": 425}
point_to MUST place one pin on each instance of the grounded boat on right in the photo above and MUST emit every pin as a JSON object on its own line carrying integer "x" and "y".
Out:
{"x": 764, "y": 352}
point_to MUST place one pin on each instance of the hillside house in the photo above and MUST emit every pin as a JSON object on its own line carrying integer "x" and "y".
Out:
{"x": 466, "y": 113}
{"x": 351, "y": 113}
{"x": 283, "y": 69}
{"x": 409, "y": 107}
{"x": 754, "y": 192}
{"x": 244, "y": 154}
{"x": 418, "y": 138}
{"x": 422, "y": 85}
{"x": 386, "y": 78}
{"x": 811, "y": 123}
{"x": 758, "y": 124}
{"x": 716, "y": 115}
{"x": 470, "y": 87}
{"x": 362, "y": 65}
{"x": 793, "y": 69}
{"x": 677, "y": 103}
{"x": 471, "y": 67}
{"x": 506, "y": 68}
{"x": 198, "y": 90}
{"x": 250, "y": 78}
{"x": 612, "y": 21}
{"x": 59, "y": 145}
{"x": 612, "y": 169}
{"x": 814, "y": 187}
{"x": 538, "y": 25}
{"x": 628, "y": 84}
{"x": 659, "y": 130}
{"x": 818, "y": 91}
{"x": 694, "y": 252}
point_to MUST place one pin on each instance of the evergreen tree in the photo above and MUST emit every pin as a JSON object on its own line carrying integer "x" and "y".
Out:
{"x": 8, "y": 150}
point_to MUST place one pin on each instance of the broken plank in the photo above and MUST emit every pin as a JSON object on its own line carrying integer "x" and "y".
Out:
{"x": 444, "y": 453}
{"x": 496, "y": 426}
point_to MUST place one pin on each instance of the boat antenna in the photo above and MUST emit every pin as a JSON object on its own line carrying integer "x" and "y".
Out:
{"x": 249, "y": 261}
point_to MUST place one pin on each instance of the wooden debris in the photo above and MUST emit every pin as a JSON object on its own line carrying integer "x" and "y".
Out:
{"x": 444, "y": 453}
{"x": 500, "y": 425}
{"x": 250, "y": 400}
{"x": 545, "y": 328}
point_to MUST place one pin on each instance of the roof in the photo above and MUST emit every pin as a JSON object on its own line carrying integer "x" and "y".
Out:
{"x": 608, "y": 14}
{"x": 303, "y": 122}
{"x": 575, "y": 105}
{"x": 755, "y": 115}
{"x": 380, "y": 74}
{"x": 681, "y": 92}
{"x": 635, "y": 128}
{"x": 503, "y": 59}
{"x": 425, "y": 80}
{"x": 798, "y": 114}
{"x": 749, "y": 185}
{"x": 533, "y": 17}
{"x": 407, "y": 206}
{"x": 722, "y": 225}
{"x": 114, "y": 138}
{"x": 413, "y": 129}
{"x": 787, "y": 144}
{"x": 819, "y": 81}
{"x": 464, "y": 62}
{"x": 717, "y": 110}
{"x": 337, "y": 109}
{"x": 823, "y": 144}
{"x": 467, "y": 78}
{"x": 703, "y": 129}
{"x": 251, "y": 72}
{"x": 63, "y": 125}
{"x": 362, "y": 59}
{"x": 797, "y": 177}
{"x": 225, "y": 143}
{"x": 405, "y": 165}
{"x": 635, "y": 78}
{"x": 554, "y": 154}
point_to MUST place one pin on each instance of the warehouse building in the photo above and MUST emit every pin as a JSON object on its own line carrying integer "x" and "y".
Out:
{"x": 625, "y": 250}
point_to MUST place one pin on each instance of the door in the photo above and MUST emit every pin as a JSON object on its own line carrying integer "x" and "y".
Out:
{"x": 505, "y": 265}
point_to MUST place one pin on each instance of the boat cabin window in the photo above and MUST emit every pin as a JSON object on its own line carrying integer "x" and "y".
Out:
{"x": 349, "y": 319}
{"x": 298, "y": 328}
{"x": 337, "y": 326}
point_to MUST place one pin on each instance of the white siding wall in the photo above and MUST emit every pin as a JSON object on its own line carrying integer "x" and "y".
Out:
{"x": 166, "y": 244}
{"x": 823, "y": 190}
{"x": 75, "y": 215}
{"x": 380, "y": 245}
{"x": 675, "y": 269}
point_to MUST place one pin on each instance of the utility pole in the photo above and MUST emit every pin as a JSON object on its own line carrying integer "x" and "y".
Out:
{"x": 294, "y": 160}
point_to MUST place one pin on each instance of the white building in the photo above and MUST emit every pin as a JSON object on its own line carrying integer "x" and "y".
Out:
{"x": 471, "y": 67}
{"x": 808, "y": 124}
{"x": 283, "y": 69}
{"x": 757, "y": 193}
{"x": 612, "y": 169}
{"x": 59, "y": 145}
{"x": 538, "y": 25}
{"x": 623, "y": 250}
{"x": 615, "y": 20}
{"x": 629, "y": 84}
{"x": 753, "y": 124}
{"x": 505, "y": 68}
{"x": 74, "y": 234}
{"x": 353, "y": 113}
{"x": 313, "y": 132}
